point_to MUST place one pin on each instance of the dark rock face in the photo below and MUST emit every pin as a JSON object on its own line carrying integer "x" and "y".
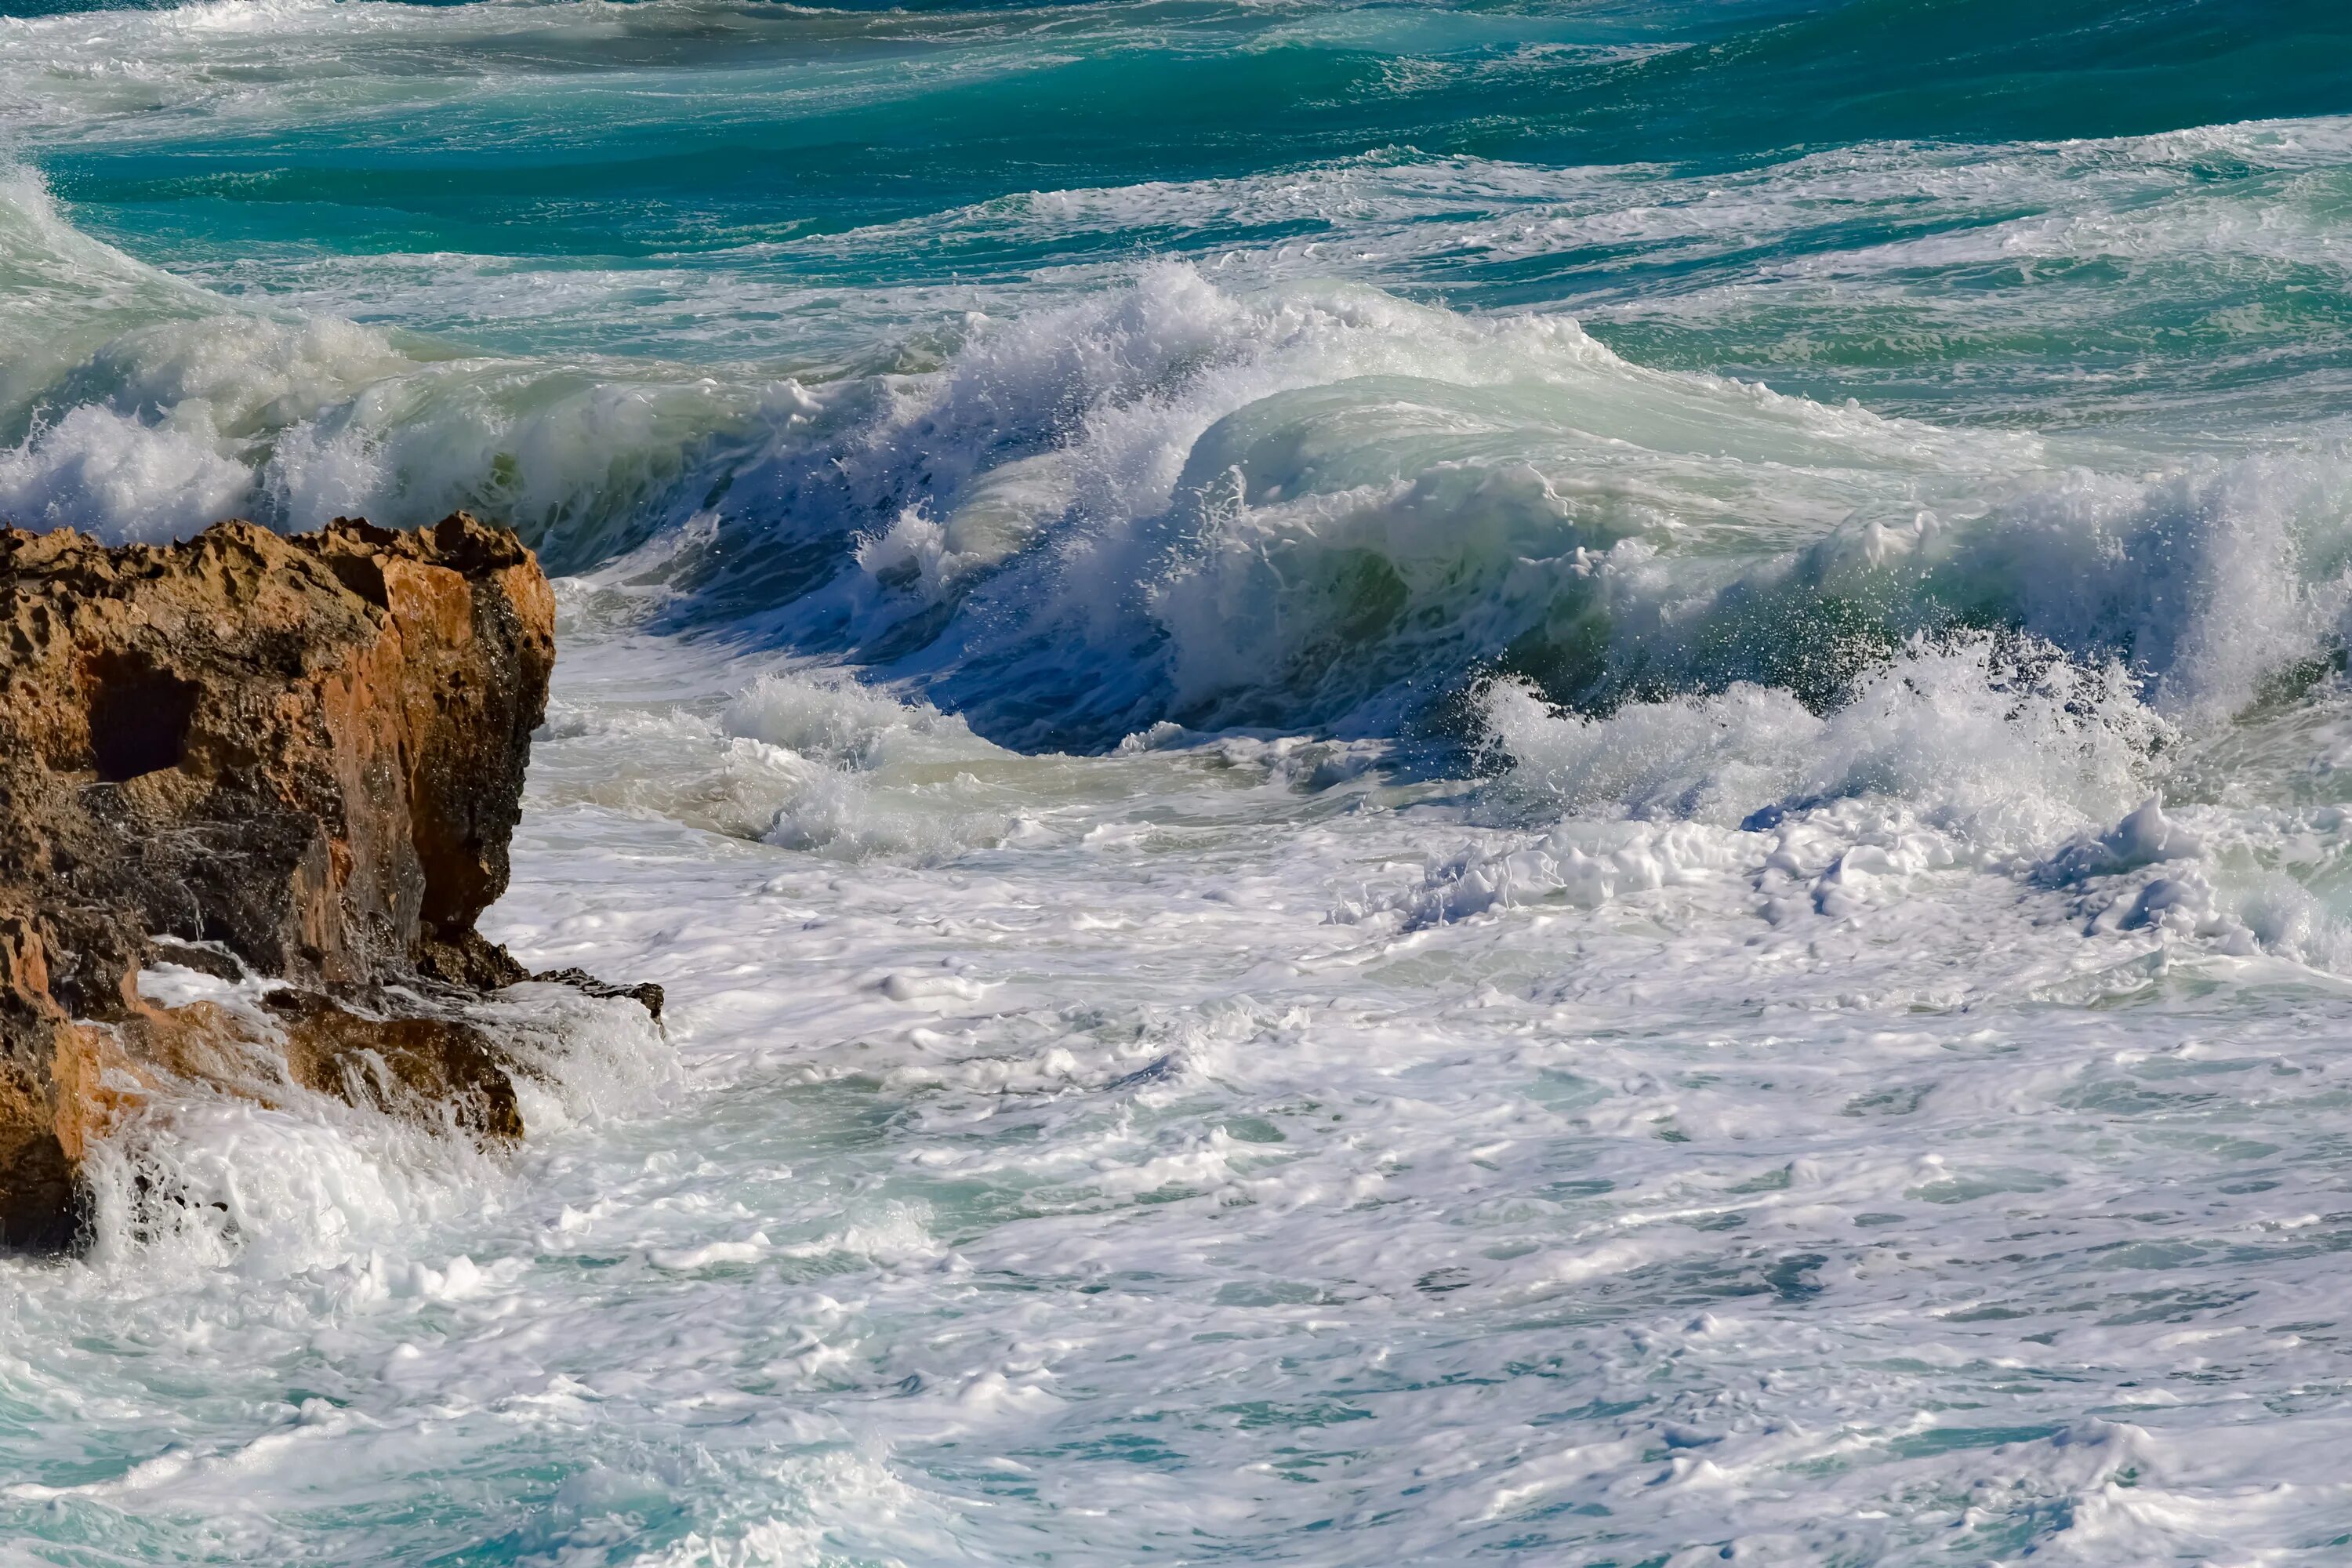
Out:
{"x": 298, "y": 756}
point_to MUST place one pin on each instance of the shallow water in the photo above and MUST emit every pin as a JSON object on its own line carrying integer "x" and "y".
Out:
{"x": 1555, "y": 783}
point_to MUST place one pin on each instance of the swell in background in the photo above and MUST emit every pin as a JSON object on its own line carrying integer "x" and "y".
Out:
{"x": 1297, "y": 366}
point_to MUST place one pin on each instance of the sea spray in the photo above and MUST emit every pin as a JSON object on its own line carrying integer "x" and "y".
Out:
{"x": 1416, "y": 784}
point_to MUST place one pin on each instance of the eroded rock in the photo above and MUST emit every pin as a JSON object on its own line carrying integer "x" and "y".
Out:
{"x": 298, "y": 756}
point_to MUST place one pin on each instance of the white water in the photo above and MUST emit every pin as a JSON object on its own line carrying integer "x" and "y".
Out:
{"x": 1865, "y": 1086}
{"x": 1889, "y": 1133}
{"x": 1231, "y": 1146}
{"x": 1239, "y": 1150}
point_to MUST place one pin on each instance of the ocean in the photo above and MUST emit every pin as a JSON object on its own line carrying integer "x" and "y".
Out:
{"x": 1550, "y": 781}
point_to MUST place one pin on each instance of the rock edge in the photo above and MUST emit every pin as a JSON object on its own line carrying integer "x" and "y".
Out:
{"x": 292, "y": 758}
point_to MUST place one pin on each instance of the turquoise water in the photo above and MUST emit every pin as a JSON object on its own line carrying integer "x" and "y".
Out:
{"x": 1556, "y": 783}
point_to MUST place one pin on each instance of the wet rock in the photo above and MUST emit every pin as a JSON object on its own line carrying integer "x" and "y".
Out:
{"x": 646, "y": 994}
{"x": 298, "y": 758}
{"x": 424, "y": 1067}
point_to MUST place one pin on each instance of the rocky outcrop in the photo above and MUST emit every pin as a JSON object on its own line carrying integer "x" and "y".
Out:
{"x": 298, "y": 758}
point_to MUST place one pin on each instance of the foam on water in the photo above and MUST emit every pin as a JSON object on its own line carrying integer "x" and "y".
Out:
{"x": 1302, "y": 505}
{"x": 1012, "y": 1190}
{"x": 1330, "y": 891}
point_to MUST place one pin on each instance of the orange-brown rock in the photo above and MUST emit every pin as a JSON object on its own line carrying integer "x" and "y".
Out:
{"x": 307, "y": 752}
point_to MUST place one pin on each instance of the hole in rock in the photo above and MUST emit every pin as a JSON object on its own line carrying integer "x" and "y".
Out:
{"x": 138, "y": 717}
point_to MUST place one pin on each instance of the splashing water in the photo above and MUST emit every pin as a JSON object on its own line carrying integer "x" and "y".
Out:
{"x": 1560, "y": 784}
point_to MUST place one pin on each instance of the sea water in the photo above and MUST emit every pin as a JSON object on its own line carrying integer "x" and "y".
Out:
{"x": 1553, "y": 783}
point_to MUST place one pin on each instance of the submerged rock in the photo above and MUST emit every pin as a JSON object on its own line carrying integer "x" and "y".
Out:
{"x": 295, "y": 758}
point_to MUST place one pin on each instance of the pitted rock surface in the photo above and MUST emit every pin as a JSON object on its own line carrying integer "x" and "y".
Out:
{"x": 297, "y": 756}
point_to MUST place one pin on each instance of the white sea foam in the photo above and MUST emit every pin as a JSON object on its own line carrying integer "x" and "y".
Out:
{"x": 152, "y": 409}
{"x": 1325, "y": 505}
{"x": 1661, "y": 1122}
{"x": 119, "y": 478}
{"x": 2016, "y": 750}
{"x": 1298, "y": 924}
{"x": 1635, "y": 1138}
{"x": 1309, "y": 504}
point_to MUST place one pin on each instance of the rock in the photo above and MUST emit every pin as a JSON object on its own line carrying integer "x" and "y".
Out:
{"x": 300, "y": 757}
{"x": 646, "y": 994}
{"x": 421, "y": 1067}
